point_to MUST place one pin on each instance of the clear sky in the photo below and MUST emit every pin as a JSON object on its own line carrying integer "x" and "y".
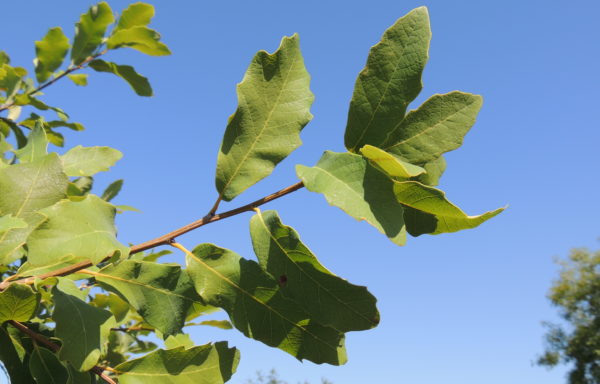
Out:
{"x": 462, "y": 308}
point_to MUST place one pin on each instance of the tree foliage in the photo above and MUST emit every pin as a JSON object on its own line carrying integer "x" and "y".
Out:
{"x": 76, "y": 303}
{"x": 577, "y": 295}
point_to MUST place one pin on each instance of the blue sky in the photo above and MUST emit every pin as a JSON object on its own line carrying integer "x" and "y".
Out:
{"x": 462, "y": 308}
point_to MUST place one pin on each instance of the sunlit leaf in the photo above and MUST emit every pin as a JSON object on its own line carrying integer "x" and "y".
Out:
{"x": 18, "y": 302}
{"x": 137, "y": 14}
{"x": 8, "y": 222}
{"x": 50, "y": 52}
{"x": 138, "y": 83}
{"x": 90, "y": 30}
{"x": 37, "y": 145}
{"x": 79, "y": 79}
{"x": 87, "y": 161}
{"x": 390, "y": 164}
{"x": 140, "y": 38}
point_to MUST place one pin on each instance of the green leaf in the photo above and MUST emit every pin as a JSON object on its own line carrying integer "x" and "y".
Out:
{"x": 179, "y": 340}
{"x": 434, "y": 171}
{"x": 257, "y": 307}
{"x": 112, "y": 190}
{"x": 390, "y": 164}
{"x": 87, "y": 161}
{"x": 81, "y": 79}
{"x": 206, "y": 364}
{"x": 436, "y": 127}
{"x": 9, "y": 222}
{"x": 61, "y": 123}
{"x": 90, "y": 30}
{"x": 222, "y": 324}
{"x": 274, "y": 102}
{"x": 26, "y": 188}
{"x": 432, "y": 201}
{"x": 138, "y": 83}
{"x": 161, "y": 293}
{"x": 37, "y": 145}
{"x": 349, "y": 182}
{"x": 50, "y": 52}
{"x": 4, "y": 58}
{"x": 18, "y": 302}
{"x": 83, "y": 228}
{"x": 137, "y": 14}
{"x": 140, "y": 38}
{"x": 76, "y": 377}
{"x": 117, "y": 306}
{"x": 13, "y": 359}
{"x": 46, "y": 368}
{"x": 331, "y": 300}
{"x": 389, "y": 82}
{"x": 10, "y": 80}
{"x": 82, "y": 328}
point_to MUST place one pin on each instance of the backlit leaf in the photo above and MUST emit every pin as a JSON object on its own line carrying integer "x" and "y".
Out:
{"x": 18, "y": 302}
{"x": 389, "y": 82}
{"x": 390, "y": 164}
{"x": 138, "y": 83}
{"x": 349, "y": 182}
{"x": 274, "y": 102}
{"x": 50, "y": 52}
{"x": 331, "y": 300}
{"x": 90, "y": 30}
{"x": 79, "y": 79}
{"x": 140, "y": 38}
{"x": 137, "y": 14}
{"x": 37, "y": 145}
{"x": 10, "y": 222}
{"x": 87, "y": 161}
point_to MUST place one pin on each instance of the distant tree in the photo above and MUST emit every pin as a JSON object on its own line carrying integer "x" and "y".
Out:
{"x": 577, "y": 294}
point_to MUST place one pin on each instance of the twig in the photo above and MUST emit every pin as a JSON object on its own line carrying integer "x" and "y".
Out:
{"x": 162, "y": 240}
{"x": 54, "y": 348}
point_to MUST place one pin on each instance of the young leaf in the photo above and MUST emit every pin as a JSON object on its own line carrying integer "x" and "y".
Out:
{"x": 83, "y": 228}
{"x": 274, "y": 102}
{"x": 138, "y": 83}
{"x": 90, "y": 30}
{"x": 112, "y": 190}
{"x": 79, "y": 79}
{"x": 50, "y": 52}
{"x": 389, "y": 82}
{"x": 206, "y": 364}
{"x": 87, "y": 161}
{"x": 389, "y": 163}
{"x": 447, "y": 216}
{"x": 161, "y": 293}
{"x": 82, "y": 328}
{"x": 18, "y": 302}
{"x": 37, "y": 145}
{"x": 137, "y": 14}
{"x": 331, "y": 300}
{"x": 349, "y": 182}
{"x": 27, "y": 188}
{"x": 436, "y": 127}
{"x": 140, "y": 38}
{"x": 46, "y": 368}
{"x": 257, "y": 307}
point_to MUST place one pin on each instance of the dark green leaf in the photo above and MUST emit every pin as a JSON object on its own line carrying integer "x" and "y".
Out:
{"x": 50, "y": 52}
{"x": 18, "y": 302}
{"x": 112, "y": 190}
{"x": 46, "y": 368}
{"x": 329, "y": 299}
{"x": 389, "y": 82}
{"x": 274, "y": 102}
{"x": 13, "y": 359}
{"x": 138, "y": 83}
{"x": 140, "y": 38}
{"x": 90, "y": 30}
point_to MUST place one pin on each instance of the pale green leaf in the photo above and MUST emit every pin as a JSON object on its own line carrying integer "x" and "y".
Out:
{"x": 349, "y": 182}
{"x": 10, "y": 80}
{"x": 390, "y": 164}
{"x": 112, "y": 190}
{"x": 434, "y": 171}
{"x": 117, "y": 306}
{"x": 50, "y": 52}
{"x": 389, "y": 82}
{"x": 206, "y": 364}
{"x": 18, "y": 302}
{"x": 136, "y": 14}
{"x": 80, "y": 79}
{"x": 140, "y": 38}
{"x": 436, "y": 127}
{"x": 87, "y": 161}
{"x": 46, "y": 368}
{"x": 222, "y": 324}
{"x": 329, "y": 299}
{"x": 437, "y": 209}
{"x": 28, "y": 269}
{"x": 179, "y": 340}
{"x": 138, "y": 83}
{"x": 26, "y": 188}
{"x": 257, "y": 307}
{"x": 83, "y": 228}
{"x": 90, "y": 30}
{"x": 82, "y": 328}
{"x": 161, "y": 293}
{"x": 9, "y": 222}
{"x": 37, "y": 145}
{"x": 274, "y": 102}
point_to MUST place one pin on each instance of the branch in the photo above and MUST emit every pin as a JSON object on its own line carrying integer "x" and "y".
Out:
{"x": 54, "y": 80}
{"x": 54, "y": 348}
{"x": 165, "y": 239}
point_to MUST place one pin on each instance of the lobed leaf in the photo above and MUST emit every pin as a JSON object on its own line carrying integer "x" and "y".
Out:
{"x": 50, "y": 53}
{"x": 90, "y": 30}
{"x": 138, "y": 83}
{"x": 18, "y": 302}
{"x": 389, "y": 82}
{"x": 274, "y": 102}
{"x": 87, "y": 161}
{"x": 329, "y": 299}
{"x": 257, "y": 307}
{"x": 349, "y": 182}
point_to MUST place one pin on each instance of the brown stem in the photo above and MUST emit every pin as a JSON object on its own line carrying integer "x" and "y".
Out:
{"x": 50, "y": 82}
{"x": 165, "y": 239}
{"x": 54, "y": 348}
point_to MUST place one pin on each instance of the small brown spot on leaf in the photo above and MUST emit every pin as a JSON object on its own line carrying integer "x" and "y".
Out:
{"x": 282, "y": 280}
